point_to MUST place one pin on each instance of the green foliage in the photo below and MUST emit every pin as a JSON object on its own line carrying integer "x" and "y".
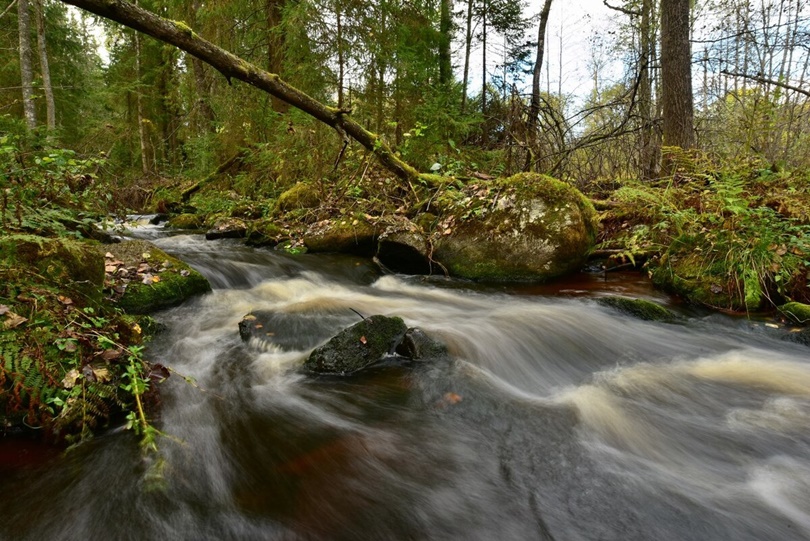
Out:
{"x": 725, "y": 243}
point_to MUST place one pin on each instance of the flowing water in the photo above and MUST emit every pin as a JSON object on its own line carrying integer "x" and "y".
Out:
{"x": 556, "y": 418}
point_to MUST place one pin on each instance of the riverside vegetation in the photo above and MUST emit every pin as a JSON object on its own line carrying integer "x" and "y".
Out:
{"x": 75, "y": 310}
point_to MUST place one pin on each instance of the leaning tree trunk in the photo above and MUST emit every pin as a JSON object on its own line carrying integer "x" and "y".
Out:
{"x": 233, "y": 67}
{"x": 26, "y": 69}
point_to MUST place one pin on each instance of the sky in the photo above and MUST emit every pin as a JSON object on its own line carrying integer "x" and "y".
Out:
{"x": 572, "y": 27}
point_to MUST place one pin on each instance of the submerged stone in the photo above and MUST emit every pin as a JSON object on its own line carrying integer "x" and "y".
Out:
{"x": 293, "y": 331}
{"x": 639, "y": 308}
{"x": 357, "y": 347}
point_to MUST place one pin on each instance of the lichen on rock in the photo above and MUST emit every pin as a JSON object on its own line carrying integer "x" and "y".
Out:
{"x": 525, "y": 227}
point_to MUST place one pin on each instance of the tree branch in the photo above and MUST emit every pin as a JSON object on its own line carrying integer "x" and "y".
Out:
{"x": 233, "y": 67}
{"x": 630, "y": 12}
{"x": 766, "y": 81}
{"x": 11, "y": 5}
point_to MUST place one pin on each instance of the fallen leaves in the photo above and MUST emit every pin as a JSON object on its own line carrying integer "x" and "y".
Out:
{"x": 13, "y": 320}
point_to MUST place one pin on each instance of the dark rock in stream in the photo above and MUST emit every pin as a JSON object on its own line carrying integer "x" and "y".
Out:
{"x": 357, "y": 347}
{"x": 370, "y": 341}
{"x": 418, "y": 346}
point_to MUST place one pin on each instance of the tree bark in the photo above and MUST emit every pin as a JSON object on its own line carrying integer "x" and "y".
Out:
{"x": 467, "y": 47}
{"x": 537, "y": 72}
{"x": 445, "y": 39}
{"x": 676, "y": 75}
{"x": 47, "y": 88}
{"x": 275, "y": 47}
{"x": 26, "y": 69}
{"x": 233, "y": 67}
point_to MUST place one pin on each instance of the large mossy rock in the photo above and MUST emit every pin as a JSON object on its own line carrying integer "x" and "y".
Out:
{"x": 302, "y": 195}
{"x": 525, "y": 227}
{"x": 357, "y": 347}
{"x": 150, "y": 278}
{"x": 71, "y": 263}
{"x": 349, "y": 235}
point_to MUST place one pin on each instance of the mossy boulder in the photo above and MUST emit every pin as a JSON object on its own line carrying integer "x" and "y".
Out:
{"x": 525, "y": 227}
{"x": 706, "y": 281}
{"x": 796, "y": 312}
{"x": 73, "y": 264}
{"x": 638, "y": 308}
{"x": 303, "y": 195}
{"x": 265, "y": 233}
{"x": 352, "y": 235}
{"x": 227, "y": 228}
{"x": 186, "y": 221}
{"x": 149, "y": 278}
{"x": 357, "y": 347}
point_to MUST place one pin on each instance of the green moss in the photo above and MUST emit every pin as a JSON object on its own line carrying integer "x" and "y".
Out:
{"x": 358, "y": 346}
{"x": 176, "y": 281}
{"x": 77, "y": 265}
{"x": 796, "y": 312}
{"x": 344, "y": 235}
{"x": 186, "y": 221}
{"x": 301, "y": 196}
{"x": 265, "y": 233}
{"x": 639, "y": 308}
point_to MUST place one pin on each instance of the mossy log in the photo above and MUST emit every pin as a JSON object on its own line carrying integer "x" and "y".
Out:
{"x": 232, "y": 67}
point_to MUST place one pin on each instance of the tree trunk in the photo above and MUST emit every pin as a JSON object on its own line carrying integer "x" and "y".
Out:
{"x": 676, "y": 74}
{"x": 139, "y": 106}
{"x": 233, "y": 67}
{"x": 467, "y": 47}
{"x": 445, "y": 39}
{"x": 47, "y": 88}
{"x": 26, "y": 68}
{"x": 648, "y": 152}
{"x": 275, "y": 47}
{"x": 205, "y": 113}
{"x": 537, "y": 72}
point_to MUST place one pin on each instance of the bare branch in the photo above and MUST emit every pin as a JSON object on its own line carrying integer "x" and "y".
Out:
{"x": 630, "y": 12}
{"x": 766, "y": 81}
{"x": 11, "y": 5}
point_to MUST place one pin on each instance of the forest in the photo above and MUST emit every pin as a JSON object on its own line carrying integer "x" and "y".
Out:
{"x": 690, "y": 140}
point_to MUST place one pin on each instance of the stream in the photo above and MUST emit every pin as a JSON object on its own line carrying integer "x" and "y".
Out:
{"x": 556, "y": 419}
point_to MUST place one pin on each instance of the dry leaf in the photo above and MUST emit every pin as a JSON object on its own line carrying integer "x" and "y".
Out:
{"x": 147, "y": 279}
{"x": 258, "y": 326}
{"x": 110, "y": 268}
{"x": 363, "y": 340}
{"x": 155, "y": 279}
{"x": 4, "y": 309}
{"x": 70, "y": 379}
{"x": 109, "y": 255}
{"x": 102, "y": 374}
{"x": 448, "y": 231}
{"x": 452, "y": 398}
{"x": 184, "y": 273}
{"x": 13, "y": 320}
{"x": 65, "y": 300}
{"x": 110, "y": 354}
